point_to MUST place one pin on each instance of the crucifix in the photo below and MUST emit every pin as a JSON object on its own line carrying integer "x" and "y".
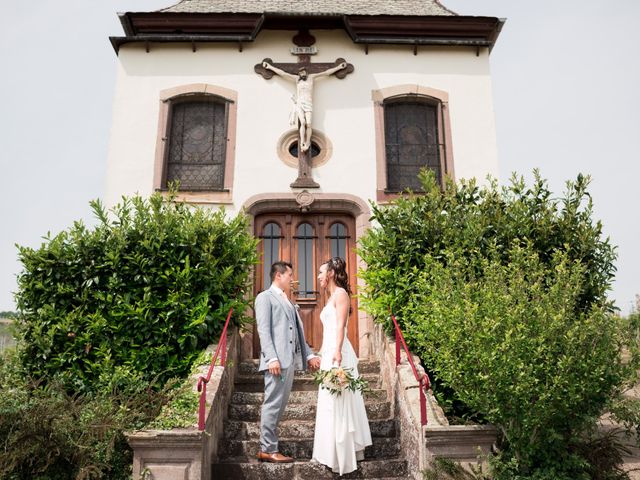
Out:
{"x": 303, "y": 73}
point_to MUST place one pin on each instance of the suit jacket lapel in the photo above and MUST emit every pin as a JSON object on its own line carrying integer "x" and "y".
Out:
{"x": 285, "y": 304}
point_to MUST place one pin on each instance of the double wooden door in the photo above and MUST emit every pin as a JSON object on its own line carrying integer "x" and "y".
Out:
{"x": 307, "y": 241}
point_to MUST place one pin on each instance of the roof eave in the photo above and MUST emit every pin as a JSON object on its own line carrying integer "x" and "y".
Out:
{"x": 231, "y": 27}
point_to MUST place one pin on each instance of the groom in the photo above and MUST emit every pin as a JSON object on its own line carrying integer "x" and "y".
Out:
{"x": 283, "y": 347}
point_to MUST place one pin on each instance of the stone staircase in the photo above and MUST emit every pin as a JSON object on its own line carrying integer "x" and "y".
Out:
{"x": 241, "y": 437}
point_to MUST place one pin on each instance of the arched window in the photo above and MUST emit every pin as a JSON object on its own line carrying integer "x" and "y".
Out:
{"x": 271, "y": 235}
{"x": 306, "y": 274}
{"x": 413, "y": 132}
{"x": 338, "y": 236}
{"x": 412, "y": 142}
{"x": 197, "y": 140}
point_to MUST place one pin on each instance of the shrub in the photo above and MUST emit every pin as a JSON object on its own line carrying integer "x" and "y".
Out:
{"x": 502, "y": 293}
{"x": 49, "y": 434}
{"x": 625, "y": 408}
{"x": 474, "y": 219}
{"x": 146, "y": 289}
{"x": 181, "y": 409}
{"x": 110, "y": 321}
{"x": 508, "y": 340}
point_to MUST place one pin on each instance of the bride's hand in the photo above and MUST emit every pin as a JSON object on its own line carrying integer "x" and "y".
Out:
{"x": 337, "y": 358}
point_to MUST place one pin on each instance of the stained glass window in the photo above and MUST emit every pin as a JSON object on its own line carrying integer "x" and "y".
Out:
{"x": 412, "y": 143}
{"x": 197, "y": 144}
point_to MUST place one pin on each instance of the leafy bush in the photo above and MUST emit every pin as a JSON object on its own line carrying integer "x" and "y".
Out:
{"x": 625, "y": 408}
{"x": 508, "y": 340}
{"x": 146, "y": 289}
{"x": 50, "y": 434}
{"x": 110, "y": 321}
{"x": 474, "y": 219}
{"x": 502, "y": 293}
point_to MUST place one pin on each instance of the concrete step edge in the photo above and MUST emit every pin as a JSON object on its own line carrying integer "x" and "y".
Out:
{"x": 307, "y": 470}
{"x": 299, "y": 396}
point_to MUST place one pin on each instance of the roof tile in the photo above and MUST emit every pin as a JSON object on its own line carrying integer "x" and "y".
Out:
{"x": 319, "y": 7}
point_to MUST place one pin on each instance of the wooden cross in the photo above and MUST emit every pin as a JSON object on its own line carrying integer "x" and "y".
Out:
{"x": 303, "y": 73}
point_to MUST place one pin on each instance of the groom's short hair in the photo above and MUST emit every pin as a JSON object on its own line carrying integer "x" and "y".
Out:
{"x": 279, "y": 267}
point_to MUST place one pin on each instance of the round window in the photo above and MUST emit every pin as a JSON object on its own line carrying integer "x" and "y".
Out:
{"x": 321, "y": 148}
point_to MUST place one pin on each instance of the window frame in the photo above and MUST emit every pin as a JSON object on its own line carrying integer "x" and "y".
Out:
{"x": 168, "y": 98}
{"x": 413, "y": 93}
{"x": 262, "y": 251}
{"x": 295, "y": 256}
{"x": 337, "y": 237}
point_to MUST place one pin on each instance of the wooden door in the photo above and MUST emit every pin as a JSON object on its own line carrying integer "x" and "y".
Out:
{"x": 307, "y": 241}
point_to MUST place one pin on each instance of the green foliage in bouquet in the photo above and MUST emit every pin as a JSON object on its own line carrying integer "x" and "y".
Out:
{"x": 338, "y": 379}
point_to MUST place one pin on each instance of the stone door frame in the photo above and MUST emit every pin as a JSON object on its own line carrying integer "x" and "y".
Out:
{"x": 327, "y": 203}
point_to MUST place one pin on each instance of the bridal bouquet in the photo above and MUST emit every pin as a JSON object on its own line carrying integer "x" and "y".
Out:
{"x": 339, "y": 379}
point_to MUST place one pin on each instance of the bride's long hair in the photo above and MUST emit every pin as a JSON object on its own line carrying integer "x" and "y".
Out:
{"x": 339, "y": 268}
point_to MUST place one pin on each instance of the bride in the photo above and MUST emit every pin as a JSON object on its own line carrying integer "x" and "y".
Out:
{"x": 342, "y": 429}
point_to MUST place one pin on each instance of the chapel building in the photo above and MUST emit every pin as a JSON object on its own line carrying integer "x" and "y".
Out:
{"x": 301, "y": 113}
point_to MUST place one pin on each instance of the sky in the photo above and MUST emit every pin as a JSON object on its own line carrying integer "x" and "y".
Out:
{"x": 566, "y": 85}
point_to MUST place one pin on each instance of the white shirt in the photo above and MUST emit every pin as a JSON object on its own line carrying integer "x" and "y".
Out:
{"x": 280, "y": 292}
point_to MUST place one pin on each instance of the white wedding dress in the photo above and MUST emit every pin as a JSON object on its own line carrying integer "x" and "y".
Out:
{"x": 342, "y": 428}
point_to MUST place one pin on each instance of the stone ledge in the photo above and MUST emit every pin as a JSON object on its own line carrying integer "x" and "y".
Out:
{"x": 459, "y": 442}
{"x": 167, "y": 455}
{"x": 177, "y": 437}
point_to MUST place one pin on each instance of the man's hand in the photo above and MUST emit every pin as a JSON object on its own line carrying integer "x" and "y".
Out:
{"x": 314, "y": 363}
{"x": 274, "y": 368}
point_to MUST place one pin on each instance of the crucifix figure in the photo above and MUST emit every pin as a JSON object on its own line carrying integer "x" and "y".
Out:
{"x": 303, "y": 100}
{"x": 303, "y": 73}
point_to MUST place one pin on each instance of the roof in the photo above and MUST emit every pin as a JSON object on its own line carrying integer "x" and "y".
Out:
{"x": 368, "y": 22}
{"x": 314, "y": 7}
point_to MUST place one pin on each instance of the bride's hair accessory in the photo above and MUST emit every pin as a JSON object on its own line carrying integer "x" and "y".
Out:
{"x": 339, "y": 268}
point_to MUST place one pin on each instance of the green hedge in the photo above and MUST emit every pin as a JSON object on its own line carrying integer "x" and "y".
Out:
{"x": 145, "y": 291}
{"x": 508, "y": 340}
{"x": 502, "y": 293}
{"x": 111, "y": 320}
{"x": 475, "y": 219}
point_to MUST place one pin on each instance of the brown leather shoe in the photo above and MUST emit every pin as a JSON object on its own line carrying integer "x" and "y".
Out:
{"x": 276, "y": 457}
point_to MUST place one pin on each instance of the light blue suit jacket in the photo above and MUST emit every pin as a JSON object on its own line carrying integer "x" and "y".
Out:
{"x": 278, "y": 323}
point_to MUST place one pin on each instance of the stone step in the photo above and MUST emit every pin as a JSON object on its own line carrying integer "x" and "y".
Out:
{"x": 300, "y": 396}
{"x": 302, "y": 449}
{"x": 303, "y": 411}
{"x": 367, "y": 469}
{"x": 364, "y": 366}
{"x": 244, "y": 430}
{"x": 255, "y": 382}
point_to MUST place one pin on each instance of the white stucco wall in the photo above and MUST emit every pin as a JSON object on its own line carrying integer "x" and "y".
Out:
{"x": 343, "y": 109}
